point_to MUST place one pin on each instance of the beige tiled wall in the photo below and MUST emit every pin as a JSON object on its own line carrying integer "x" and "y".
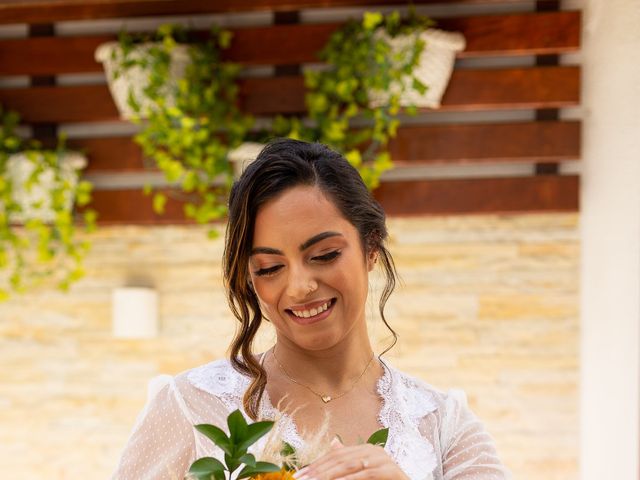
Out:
{"x": 488, "y": 304}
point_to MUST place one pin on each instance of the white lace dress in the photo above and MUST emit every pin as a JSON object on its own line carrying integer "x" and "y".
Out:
{"x": 432, "y": 435}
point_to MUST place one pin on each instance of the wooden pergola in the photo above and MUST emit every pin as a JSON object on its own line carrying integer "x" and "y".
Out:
{"x": 545, "y": 87}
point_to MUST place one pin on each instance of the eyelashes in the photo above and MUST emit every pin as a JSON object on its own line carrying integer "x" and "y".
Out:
{"x": 264, "y": 272}
{"x": 326, "y": 258}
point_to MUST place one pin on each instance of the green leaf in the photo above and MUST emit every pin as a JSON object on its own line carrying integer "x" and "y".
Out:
{"x": 379, "y": 438}
{"x": 238, "y": 429}
{"x": 248, "y": 459}
{"x": 207, "y": 467}
{"x": 287, "y": 449}
{"x": 260, "y": 467}
{"x": 254, "y": 432}
{"x": 159, "y": 202}
{"x": 354, "y": 157}
{"x": 371, "y": 20}
{"x": 420, "y": 87}
{"x": 224, "y": 38}
{"x": 217, "y": 436}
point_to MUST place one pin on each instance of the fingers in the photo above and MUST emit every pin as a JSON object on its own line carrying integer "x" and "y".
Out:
{"x": 336, "y": 443}
{"x": 345, "y": 462}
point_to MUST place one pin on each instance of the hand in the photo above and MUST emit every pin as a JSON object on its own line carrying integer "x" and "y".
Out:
{"x": 356, "y": 462}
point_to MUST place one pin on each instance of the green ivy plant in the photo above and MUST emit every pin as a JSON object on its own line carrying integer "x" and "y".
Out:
{"x": 191, "y": 122}
{"x": 190, "y": 125}
{"x": 361, "y": 61}
{"x": 36, "y": 251}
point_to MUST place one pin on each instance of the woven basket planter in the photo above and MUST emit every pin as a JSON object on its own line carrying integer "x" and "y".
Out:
{"x": 135, "y": 79}
{"x": 35, "y": 202}
{"x": 434, "y": 69}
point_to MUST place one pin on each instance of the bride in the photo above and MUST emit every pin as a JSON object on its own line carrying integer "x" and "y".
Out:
{"x": 302, "y": 236}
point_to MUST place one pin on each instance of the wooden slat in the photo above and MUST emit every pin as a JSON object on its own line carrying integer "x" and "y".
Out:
{"x": 541, "y": 87}
{"x": 548, "y": 87}
{"x": 427, "y": 197}
{"x": 414, "y": 145}
{"x": 527, "y": 34}
{"x": 110, "y": 154}
{"x": 84, "y": 103}
{"x": 514, "y": 34}
{"x": 482, "y": 195}
{"x": 503, "y": 142}
{"x": 48, "y": 11}
{"x": 50, "y": 55}
{"x": 134, "y": 207}
{"x": 477, "y": 89}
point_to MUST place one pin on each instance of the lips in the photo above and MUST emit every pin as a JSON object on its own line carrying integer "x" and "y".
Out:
{"x": 311, "y": 312}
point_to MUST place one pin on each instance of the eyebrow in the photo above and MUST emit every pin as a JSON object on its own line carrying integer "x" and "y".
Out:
{"x": 308, "y": 243}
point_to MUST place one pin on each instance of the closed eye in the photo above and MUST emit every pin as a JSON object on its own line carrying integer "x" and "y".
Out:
{"x": 265, "y": 272}
{"x": 327, "y": 257}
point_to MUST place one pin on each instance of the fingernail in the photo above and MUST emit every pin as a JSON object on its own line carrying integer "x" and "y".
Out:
{"x": 301, "y": 474}
{"x": 303, "y": 477}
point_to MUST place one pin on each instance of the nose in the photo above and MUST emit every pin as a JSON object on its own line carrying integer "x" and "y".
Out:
{"x": 301, "y": 283}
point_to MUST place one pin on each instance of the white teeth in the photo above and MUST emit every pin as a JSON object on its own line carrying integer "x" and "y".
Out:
{"x": 311, "y": 313}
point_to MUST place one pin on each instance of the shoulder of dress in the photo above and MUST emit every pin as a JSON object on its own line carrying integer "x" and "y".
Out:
{"x": 419, "y": 397}
{"x": 217, "y": 378}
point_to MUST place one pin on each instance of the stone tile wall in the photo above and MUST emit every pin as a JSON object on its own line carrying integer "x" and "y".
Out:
{"x": 488, "y": 304}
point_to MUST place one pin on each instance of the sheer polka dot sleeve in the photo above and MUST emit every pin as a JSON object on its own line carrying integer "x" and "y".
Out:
{"x": 468, "y": 451}
{"x": 162, "y": 443}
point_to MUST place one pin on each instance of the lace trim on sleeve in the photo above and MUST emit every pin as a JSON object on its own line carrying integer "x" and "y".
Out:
{"x": 405, "y": 403}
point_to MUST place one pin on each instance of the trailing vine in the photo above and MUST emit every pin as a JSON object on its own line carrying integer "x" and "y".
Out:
{"x": 39, "y": 241}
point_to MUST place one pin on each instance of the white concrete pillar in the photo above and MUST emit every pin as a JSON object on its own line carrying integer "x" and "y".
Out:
{"x": 610, "y": 223}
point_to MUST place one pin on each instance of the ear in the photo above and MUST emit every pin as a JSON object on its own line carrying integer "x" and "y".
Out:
{"x": 372, "y": 259}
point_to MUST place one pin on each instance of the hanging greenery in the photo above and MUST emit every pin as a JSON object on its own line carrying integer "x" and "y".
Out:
{"x": 188, "y": 112}
{"x": 361, "y": 61}
{"x": 39, "y": 241}
{"x": 185, "y": 98}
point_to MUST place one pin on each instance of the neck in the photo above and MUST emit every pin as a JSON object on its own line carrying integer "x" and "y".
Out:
{"x": 330, "y": 370}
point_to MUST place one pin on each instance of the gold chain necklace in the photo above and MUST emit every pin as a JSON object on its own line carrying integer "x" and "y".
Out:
{"x": 324, "y": 398}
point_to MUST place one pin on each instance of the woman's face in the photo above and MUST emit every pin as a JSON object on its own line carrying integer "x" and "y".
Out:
{"x": 308, "y": 270}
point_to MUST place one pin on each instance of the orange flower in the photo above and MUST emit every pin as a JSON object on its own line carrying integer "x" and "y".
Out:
{"x": 283, "y": 474}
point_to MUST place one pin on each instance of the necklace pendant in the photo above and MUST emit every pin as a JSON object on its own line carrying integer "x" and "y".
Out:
{"x": 326, "y": 398}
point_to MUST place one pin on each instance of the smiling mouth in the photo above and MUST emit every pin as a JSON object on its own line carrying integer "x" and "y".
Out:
{"x": 312, "y": 312}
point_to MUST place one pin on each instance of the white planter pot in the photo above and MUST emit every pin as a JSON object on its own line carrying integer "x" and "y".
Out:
{"x": 36, "y": 202}
{"x": 243, "y": 155}
{"x": 434, "y": 69}
{"x": 135, "y": 79}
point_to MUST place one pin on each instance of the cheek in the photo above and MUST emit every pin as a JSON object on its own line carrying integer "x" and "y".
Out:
{"x": 267, "y": 295}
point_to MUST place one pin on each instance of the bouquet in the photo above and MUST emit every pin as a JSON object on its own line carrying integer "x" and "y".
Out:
{"x": 239, "y": 463}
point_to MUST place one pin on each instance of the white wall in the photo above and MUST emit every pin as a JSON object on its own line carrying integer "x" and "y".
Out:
{"x": 610, "y": 240}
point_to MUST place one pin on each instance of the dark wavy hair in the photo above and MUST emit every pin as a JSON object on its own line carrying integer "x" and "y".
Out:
{"x": 281, "y": 165}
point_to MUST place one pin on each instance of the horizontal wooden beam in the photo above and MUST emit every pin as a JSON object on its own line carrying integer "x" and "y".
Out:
{"x": 468, "y": 90}
{"x": 407, "y": 198}
{"x": 541, "y": 33}
{"x": 487, "y": 143}
{"x": 478, "y": 89}
{"x": 481, "y": 195}
{"x": 414, "y": 145}
{"x": 512, "y": 34}
{"x": 49, "y": 11}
